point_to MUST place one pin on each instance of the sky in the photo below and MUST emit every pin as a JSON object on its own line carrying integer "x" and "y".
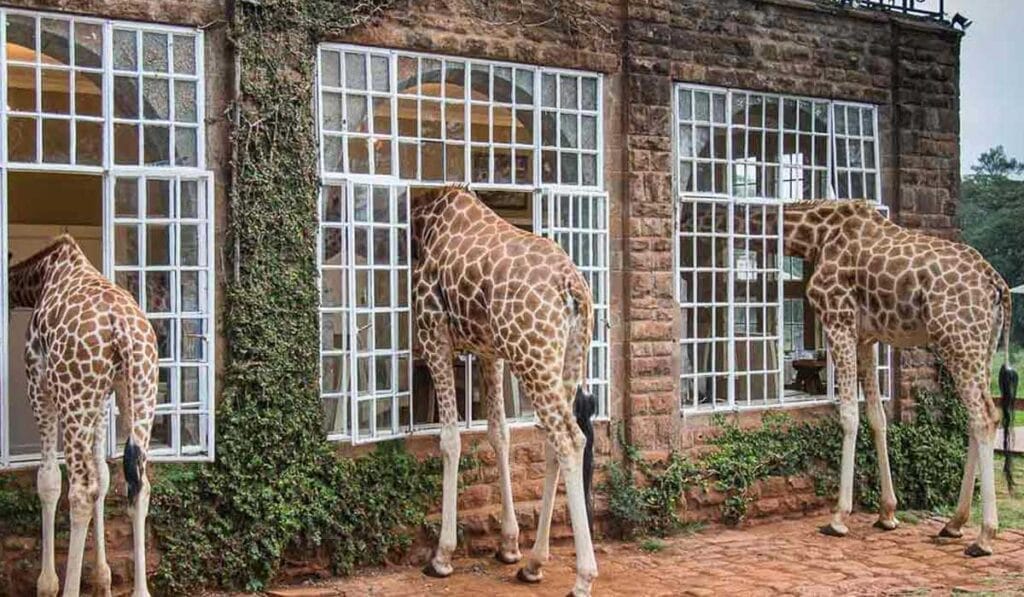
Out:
{"x": 991, "y": 78}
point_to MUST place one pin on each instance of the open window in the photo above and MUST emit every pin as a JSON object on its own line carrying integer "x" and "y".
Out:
{"x": 102, "y": 138}
{"x": 390, "y": 117}
{"x": 749, "y": 338}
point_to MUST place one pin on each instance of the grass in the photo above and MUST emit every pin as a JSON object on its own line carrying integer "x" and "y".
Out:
{"x": 1010, "y": 509}
{"x": 685, "y": 529}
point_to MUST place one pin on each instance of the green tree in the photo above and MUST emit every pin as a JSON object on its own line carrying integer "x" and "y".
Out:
{"x": 992, "y": 219}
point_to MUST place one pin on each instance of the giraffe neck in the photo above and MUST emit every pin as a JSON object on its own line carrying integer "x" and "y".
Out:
{"x": 798, "y": 238}
{"x": 28, "y": 279}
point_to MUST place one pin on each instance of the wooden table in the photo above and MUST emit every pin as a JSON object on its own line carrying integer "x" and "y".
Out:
{"x": 808, "y": 375}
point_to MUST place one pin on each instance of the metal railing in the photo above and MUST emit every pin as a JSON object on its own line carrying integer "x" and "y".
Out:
{"x": 930, "y": 9}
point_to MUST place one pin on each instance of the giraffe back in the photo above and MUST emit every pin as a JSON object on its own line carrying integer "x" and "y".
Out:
{"x": 507, "y": 293}
{"x": 907, "y": 286}
{"x": 87, "y": 332}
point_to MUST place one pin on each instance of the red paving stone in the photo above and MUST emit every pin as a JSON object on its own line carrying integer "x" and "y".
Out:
{"x": 780, "y": 558}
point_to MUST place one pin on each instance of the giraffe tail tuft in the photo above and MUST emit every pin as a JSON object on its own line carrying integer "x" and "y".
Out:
{"x": 1008, "y": 388}
{"x": 583, "y": 409}
{"x": 132, "y": 469}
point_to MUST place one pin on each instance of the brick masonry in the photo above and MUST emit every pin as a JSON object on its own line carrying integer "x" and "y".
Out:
{"x": 909, "y": 69}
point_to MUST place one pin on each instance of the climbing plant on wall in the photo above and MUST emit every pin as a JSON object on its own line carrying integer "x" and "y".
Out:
{"x": 276, "y": 483}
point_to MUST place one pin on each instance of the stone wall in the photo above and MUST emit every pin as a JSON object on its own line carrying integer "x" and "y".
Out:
{"x": 782, "y": 46}
{"x": 909, "y": 69}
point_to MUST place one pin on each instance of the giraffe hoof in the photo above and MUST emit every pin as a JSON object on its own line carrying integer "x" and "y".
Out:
{"x": 435, "y": 570}
{"x": 527, "y": 577}
{"x": 976, "y": 551}
{"x": 948, "y": 533}
{"x": 833, "y": 531}
{"x": 47, "y": 586}
{"x": 507, "y": 558}
{"x": 887, "y": 525}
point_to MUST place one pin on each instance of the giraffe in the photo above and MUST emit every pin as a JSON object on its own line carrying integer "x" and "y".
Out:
{"x": 874, "y": 281}
{"x": 486, "y": 287}
{"x": 87, "y": 338}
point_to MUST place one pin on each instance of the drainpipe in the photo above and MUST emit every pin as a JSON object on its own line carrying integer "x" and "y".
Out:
{"x": 896, "y": 118}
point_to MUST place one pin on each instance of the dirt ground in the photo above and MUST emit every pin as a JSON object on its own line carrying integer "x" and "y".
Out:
{"x": 780, "y": 558}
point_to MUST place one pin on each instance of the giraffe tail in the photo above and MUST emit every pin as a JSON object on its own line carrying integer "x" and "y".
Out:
{"x": 584, "y": 404}
{"x": 134, "y": 459}
{"x": 583, "y": 409}
{"x": 1008, "y": 388}
{"x": 132, "y": 469}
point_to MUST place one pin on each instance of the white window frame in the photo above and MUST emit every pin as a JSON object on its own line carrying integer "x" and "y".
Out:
{"x": 536, "y": 185}
{"x": 569, "y": 232}
{"x": 727, "y": 204}
{"x": 109, "y": 171}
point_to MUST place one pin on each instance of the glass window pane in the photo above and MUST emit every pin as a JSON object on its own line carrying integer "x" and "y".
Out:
{"x": 154, "y": 51}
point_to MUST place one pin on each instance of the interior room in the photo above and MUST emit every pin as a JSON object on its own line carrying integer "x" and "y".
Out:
{"x": 517, "y": 208}
{"x": 42, "y": 205}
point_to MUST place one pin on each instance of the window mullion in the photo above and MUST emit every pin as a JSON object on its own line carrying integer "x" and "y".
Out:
{"x": 731, "y": 269}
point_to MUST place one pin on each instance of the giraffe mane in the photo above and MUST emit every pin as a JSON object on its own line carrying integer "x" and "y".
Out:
{"x": 55, "y": 244}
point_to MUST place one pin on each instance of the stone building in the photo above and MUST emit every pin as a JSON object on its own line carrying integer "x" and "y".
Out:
{"x": 642, "y": 136}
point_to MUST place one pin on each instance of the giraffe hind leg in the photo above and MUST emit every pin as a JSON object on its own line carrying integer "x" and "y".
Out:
{"x": 48, "y": 478}
{"x": 954, "y": 527}
{"x": 101, "y": 574}
{"x": 83, "y": 490}
{"x": 141, "y": 399}
{"x": 967, "y": 358}
{"x": 570, "y": 445}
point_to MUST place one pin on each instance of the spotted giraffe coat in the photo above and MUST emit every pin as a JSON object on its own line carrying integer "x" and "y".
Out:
{"x": 86, "y": 338}
{"x": 505, "y": 293}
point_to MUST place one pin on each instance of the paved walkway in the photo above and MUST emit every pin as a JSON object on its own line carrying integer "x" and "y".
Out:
{"x": 780, "y": 558}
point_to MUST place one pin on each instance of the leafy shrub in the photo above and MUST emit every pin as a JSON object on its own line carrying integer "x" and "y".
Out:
{"x": 20, "y": 511}
{"x": 926, "y": 456}
{"x": 358, "y": 511}
{"x": 648, "y": 509}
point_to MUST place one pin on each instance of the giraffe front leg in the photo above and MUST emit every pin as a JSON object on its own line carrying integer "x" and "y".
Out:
{"x": 439, "y": 360}
{"x": 844, "y": 353}
{"x": 531, "y": 572}
{"x": 954, "y": 528}
{"x": 497, "y": 434}
{"x": 867, "y": 372}
{"x": 101, "y": 579}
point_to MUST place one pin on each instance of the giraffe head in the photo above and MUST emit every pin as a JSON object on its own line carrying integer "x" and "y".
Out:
{"x": 27, "y": 278}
